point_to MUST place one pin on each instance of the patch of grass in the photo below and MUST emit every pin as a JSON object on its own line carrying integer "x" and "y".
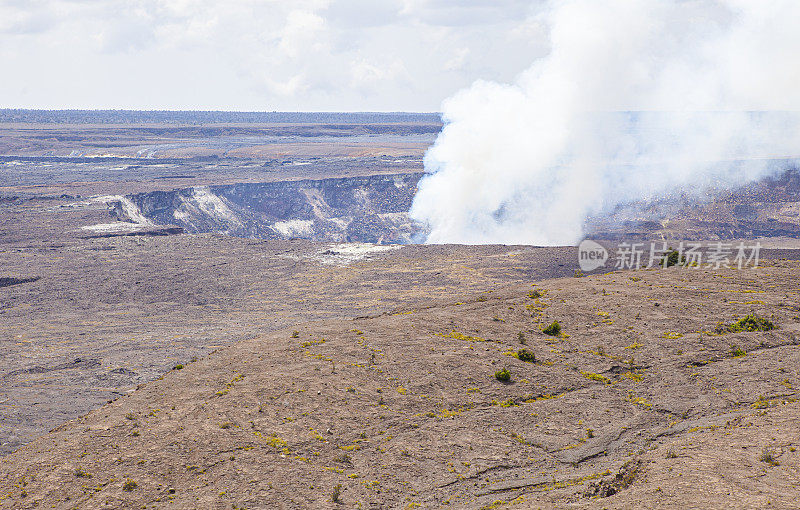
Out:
{"x": 672, "y": 335}
{"x": 129, "y": 485}
{"x": 503, "y": 375}
{"x": 553, "y": 329}
{"x": 534, "y": 294}
{"x": 526, "y": 356}
{"x": 178, "y": 367}
{"x": 295, "y": 334}
{"x": 336, "y": 494}
{"x": 461, "y": 336}
{"x": 737, "y": 352}
{"x": 596, "y": 377}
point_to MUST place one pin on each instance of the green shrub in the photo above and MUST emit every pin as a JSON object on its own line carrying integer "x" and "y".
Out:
{"x": 674, "y": 258}
{"x": 534, "y": 294}
{"x": 553, "y": 329}
{"x": 503, "y": 375}
{"x": 526, "y": 355}
{"x": 737, "y": 352}
{"x": 751, "y": 322}
{"x": 129, "y": 485}
{"x": 295, "y": 334}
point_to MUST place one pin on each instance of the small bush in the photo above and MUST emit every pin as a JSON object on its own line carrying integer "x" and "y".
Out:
{"x": 521, "y": 337}
{"x": 769, "y": 457}
{"x": 80, "y": 473}
{"x": 177, "y": 367}
{"x": 751, "y": 322}
{"x": 553, "y": 329}
{"x": 503, "y": 375}
{"x": 534, "y": 294}
{"x": 674, "y": 258}
{"x": 129, "y": 485}
{"x": 526, "y": 355}
{"x": 295, "y": 334}
{"x": 337, "y": 492}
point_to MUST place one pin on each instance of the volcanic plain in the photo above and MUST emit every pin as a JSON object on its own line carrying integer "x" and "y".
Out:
{"x": 146, "y": 367}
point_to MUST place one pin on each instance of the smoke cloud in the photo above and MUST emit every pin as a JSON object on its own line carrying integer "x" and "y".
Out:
{"x": 636, "y": 99}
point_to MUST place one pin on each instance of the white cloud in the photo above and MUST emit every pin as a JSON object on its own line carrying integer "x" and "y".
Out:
{"x": 256, "y": 54}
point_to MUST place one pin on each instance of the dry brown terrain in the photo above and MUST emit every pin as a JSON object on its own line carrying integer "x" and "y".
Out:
{"x": 403, "y": 410}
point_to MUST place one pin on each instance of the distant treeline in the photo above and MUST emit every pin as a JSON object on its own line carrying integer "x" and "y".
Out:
{"x": 210, "y": 117}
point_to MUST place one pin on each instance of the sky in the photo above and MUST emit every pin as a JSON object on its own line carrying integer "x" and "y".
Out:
{"x": 260, "y": 55}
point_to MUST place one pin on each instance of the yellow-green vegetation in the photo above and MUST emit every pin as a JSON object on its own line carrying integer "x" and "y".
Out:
{"x": 596, "y": 377}
{"x": 129, "y": 485}
{"x": 337, "y": 491}
{"x": 553, "y": 329}
{"x": 634, "y": 345}
{"x": 633, "y": 399}
{"x": 768, "y": 456}
{"x": 228, "y": 386}
{"x": 272, "y": 440}
{"x": 295, "y": 334}
{"x": 633, "y": 376}
{"x": 506, "y": 403}
{"x": 751, "y": 322}
{"x": 672, "y": 335}
{"x": 460, "y": 336}
{"x": 534, "y": 294}
{"x": 503, "y": 375}
{"x": 737, "y": 352}
{"x": 526, "y": 356}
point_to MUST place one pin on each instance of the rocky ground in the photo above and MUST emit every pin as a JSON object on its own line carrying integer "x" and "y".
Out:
{"x": 147, "y": 368}
{"x": 639, "y": 402}
{"x": 89, "y": 319}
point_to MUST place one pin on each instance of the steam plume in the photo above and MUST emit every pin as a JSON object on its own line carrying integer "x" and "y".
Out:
{"x": 636, "y": 98}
